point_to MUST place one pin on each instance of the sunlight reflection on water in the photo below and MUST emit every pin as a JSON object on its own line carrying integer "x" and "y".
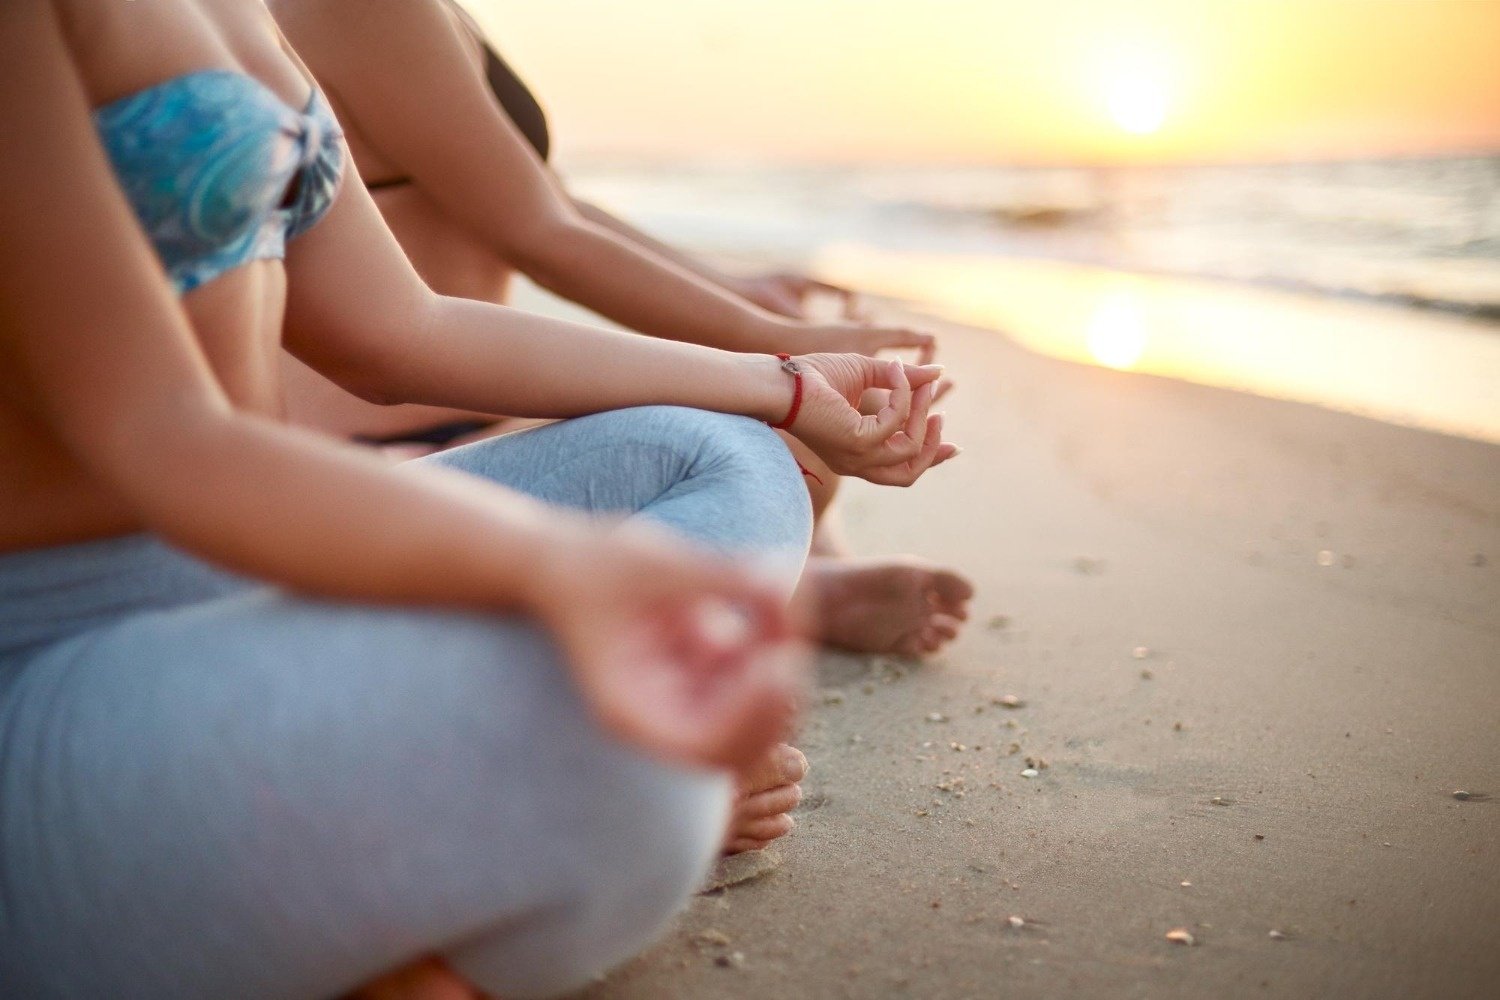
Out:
{"x": 1411, "y": 367}
{"x": 1117, "y": 333}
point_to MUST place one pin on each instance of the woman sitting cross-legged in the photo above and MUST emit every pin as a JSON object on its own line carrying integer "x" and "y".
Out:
{"x": 278, "y": 718}
{"x": 454, "y": 149}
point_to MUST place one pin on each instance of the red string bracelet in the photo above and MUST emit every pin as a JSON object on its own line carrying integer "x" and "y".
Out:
{"x": 790, "y": 367}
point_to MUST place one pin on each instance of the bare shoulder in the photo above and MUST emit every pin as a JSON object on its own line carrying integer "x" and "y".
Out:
{"x": 32, "y": 35}
{"x": 350, "y": 43}
{"x": 335, "y": 20}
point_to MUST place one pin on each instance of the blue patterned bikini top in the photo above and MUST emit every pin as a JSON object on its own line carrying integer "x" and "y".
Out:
{"x": 221, "y": 171}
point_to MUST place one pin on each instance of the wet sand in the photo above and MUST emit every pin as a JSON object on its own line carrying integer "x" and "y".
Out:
{"x": 1257, "y": 645}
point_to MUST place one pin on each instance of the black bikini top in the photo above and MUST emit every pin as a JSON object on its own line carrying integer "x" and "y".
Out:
{"x": 517, "y": 101}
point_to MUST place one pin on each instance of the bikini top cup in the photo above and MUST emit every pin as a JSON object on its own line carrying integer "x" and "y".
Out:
{"x": 220, "y": 170}
{"x": 519, "y": 102}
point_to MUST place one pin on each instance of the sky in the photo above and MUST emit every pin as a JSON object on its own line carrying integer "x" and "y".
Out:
{"x": 1023, "y": 81}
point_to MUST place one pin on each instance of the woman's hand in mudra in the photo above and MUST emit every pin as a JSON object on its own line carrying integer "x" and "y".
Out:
{"x": 893, "y": 446}
{"x": 683, "y": 653}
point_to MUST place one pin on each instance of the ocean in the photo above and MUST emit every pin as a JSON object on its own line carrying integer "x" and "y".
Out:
{"x": 1368, "y": 286}
{"x": 1420, "y": 232}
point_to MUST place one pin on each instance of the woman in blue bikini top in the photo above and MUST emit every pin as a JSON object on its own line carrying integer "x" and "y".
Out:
{"x": 169, "y": 219}
{"x": 220, "y": 170}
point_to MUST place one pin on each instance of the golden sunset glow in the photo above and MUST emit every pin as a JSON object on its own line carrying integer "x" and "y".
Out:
{"x": 1405, "y": 366}
{"x": 1138, "y": 105}
{"x": 1135, "y": 88}
{"x": 1116, "y": 331}
{"x": 1009, "y": 80}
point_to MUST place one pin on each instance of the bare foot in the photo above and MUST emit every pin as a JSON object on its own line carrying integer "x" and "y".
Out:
{"x": 428, "y": 979}
{"x": 767, "y": 794}
{"x": 899, "y": 605}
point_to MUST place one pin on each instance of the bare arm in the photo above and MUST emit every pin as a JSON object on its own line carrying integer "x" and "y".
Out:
{"x": 360, "y": 314}
{"x": 403, "y": 72}
{"x": 690, "y": 262}
{"x": 112, "y": 368}
{"x": 782, "y": 293}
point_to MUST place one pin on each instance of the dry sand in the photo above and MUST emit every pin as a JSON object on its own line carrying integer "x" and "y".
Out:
{"x": 1200, "y": 596}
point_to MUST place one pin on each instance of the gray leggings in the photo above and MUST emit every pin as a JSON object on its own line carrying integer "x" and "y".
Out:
{"x": 213, "y": 788}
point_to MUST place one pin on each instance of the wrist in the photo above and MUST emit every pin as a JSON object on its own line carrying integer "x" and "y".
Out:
{"x": 771, "y": 389}
{"x": 558, "y": 555}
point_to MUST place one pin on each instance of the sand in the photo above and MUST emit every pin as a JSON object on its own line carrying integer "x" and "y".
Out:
{"x": 1258, "y": 648}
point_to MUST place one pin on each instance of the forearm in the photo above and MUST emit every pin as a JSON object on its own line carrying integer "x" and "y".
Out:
{"x": 643, "y": 290}
{"x": 681, "y": 258}
{"x": 338, "y": 523}
{"x": 475, "y": 356}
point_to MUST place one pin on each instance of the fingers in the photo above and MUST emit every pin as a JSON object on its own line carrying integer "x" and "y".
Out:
{"x": 888, "y": 340}
{"x": 725, "y": 715}
{"x": 916, "y": 422}
{"x": 892, "y": 417}
{"x": 922, "y": 374}
{"x": 904, "y": 473}
{"x": 945, "y": 452}
{"x": 854, "y": 307}
{"x": 830, "y": 288}
{"x": 909, "y": 444}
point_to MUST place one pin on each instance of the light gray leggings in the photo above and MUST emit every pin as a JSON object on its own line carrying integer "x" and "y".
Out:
{"x": 213, "y": 789}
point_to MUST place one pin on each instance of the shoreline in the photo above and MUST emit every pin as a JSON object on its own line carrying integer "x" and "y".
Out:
{"x": 1197, "y": 594}
{"x": 1409, "y": 367}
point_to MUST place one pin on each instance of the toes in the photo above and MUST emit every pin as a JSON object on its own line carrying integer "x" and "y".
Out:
{"x": 772, "y": 802}
{"x": 909, "y": 645}
{"x": 784, "y": 765}
{"x": 944, "y": 627}
{"x": 767, "y": 828}
{"x": 938, "y": 632}
{"x": 952, "y": 592}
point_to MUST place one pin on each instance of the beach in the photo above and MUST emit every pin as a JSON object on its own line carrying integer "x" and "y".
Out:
{"x": 1251, "y": 648}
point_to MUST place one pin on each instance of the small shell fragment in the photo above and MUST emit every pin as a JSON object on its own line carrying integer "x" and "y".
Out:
{"x": 1325, "y": 558}
{"x": 1180, "y": 935}
{"x": 936, "y": 717}
{"x": 1009, "y": 701}
{"x": 1220, "y": 800}
{"x": 1140, "y": 652}
{"x": 711, "y": 938}
{"x": 1030, "y": 772}
{"x": 1015, "y": 921}
{"x": 1277, "y": 935}
{"x": 1462, "y": 795}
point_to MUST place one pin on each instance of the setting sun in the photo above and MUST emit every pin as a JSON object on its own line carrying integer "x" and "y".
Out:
{"x": 1011, "y": 81}
{"x": 1137, "y": 103}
